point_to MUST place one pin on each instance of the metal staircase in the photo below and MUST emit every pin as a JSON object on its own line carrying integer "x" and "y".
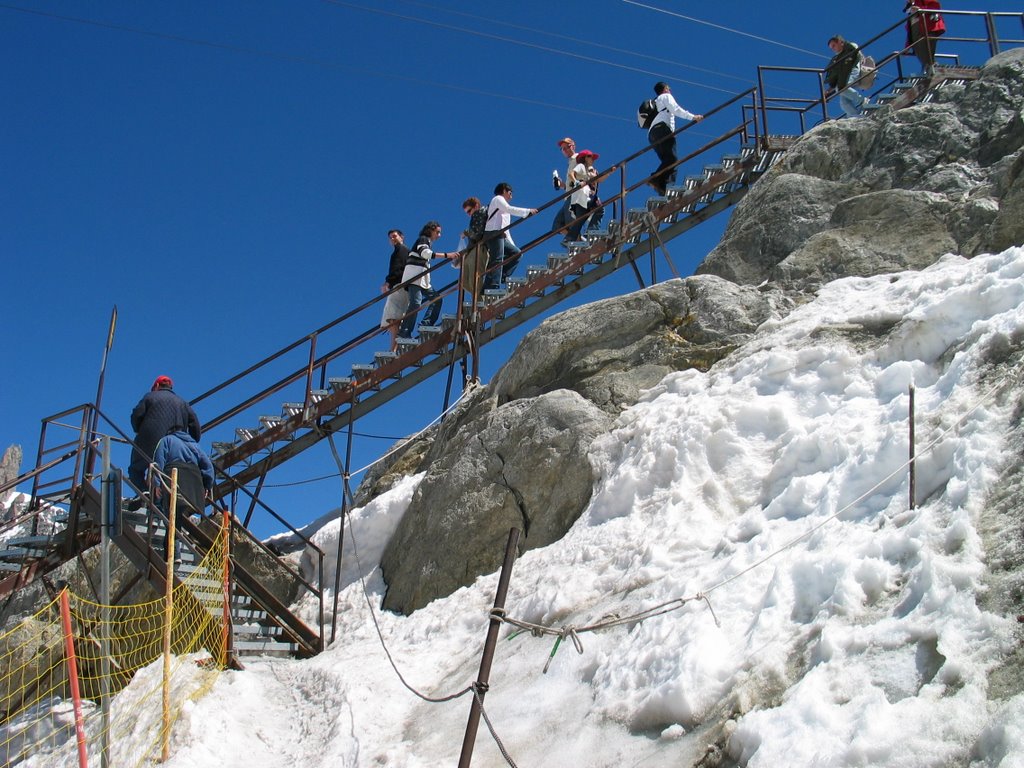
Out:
{"x": 62, "y": 525}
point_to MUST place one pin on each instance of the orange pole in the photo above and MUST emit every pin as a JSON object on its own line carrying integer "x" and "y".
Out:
{"x": 76, "y": 696}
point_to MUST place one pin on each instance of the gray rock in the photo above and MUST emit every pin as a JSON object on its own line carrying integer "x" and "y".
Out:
{"x": 611, "y": 350}
{"x": 876, "y": 233}
{"x": 773, "y": 220}
{"x": 523, "y": 464}
{"x": 1007, "y": 228}
{"x": 865, "y": 197}
{"x": 10, "y": 464}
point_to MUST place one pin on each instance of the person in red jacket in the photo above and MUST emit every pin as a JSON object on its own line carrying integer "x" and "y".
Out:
{"x": 924, "y": 27}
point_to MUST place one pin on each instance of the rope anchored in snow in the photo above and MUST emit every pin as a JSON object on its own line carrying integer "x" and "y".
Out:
{"x": 573, "y": 632}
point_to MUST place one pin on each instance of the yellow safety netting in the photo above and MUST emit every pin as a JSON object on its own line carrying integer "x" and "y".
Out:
{"x": 131, "y": 692}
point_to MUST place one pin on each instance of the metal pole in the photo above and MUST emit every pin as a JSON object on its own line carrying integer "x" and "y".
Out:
{"x": 913, "y": 472}
{"x": 489, "y": 645}
{"x": 94, "y": 422}
{"x": 106, "y": 492}
{"x": 345, "y": 494}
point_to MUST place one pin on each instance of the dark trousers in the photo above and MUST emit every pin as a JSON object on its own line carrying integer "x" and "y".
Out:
{"x": 664, "y": 142}
{"x": 191, "y": 496}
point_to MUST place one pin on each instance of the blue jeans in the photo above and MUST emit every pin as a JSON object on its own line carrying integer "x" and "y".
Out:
{"x": 500, "y": 249}
{"x": 851, "y": 100}
{"x": 418, "y": 296}
{"x": 562, "y": 216}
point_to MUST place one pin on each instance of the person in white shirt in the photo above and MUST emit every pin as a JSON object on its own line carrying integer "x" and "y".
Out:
{"x": 568, "y": 148}
{"x": 503, "y": 253}
{"x": 662, "y": 135}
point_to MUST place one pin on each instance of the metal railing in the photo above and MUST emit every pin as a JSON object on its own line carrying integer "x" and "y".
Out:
{"x": 889, "y": 48}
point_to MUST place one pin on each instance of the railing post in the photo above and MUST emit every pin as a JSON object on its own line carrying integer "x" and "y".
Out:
{"x": 912, "y": 467}
{"x": 993, "y": 37}
{"x": 489, "y": 646}
{"x": 307, "y": 400}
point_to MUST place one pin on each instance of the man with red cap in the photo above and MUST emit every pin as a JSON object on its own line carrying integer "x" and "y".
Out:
{"x": 160, "y": 411}
{"x": 568, "y": 148}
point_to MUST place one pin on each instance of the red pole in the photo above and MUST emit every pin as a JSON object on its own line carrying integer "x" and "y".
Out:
{"x": 76, "y": 696}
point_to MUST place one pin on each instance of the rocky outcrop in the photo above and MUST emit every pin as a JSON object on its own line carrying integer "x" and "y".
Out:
{"x": 611, "y": 350}
{"x": 10, "y": 466}
{"x": 870, "y": 196}
{"x": 522, "y": 464}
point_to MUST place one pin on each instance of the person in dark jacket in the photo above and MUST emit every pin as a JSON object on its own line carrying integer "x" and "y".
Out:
{"x": 923, "y": 30}
{"x": 398, "y": 301}
{"x": 154, "y": 416}
{"x": 178, "y": 450}
{"x": 842, "y": 72}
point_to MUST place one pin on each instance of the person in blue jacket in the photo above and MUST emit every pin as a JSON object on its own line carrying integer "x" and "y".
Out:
{"x": 177, "y": 450}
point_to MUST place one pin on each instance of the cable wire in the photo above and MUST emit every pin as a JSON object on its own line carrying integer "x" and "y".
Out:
{"x": 536, "y": 46}
{"x": 322, "y": 63}
{"x": 724, "y": 28}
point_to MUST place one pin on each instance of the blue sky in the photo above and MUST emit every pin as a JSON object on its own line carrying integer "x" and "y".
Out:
{"x": 226, "y": 172}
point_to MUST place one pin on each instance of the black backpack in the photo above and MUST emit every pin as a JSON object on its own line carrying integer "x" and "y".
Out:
{"x": 477, "y": 224}
{"x": 646, "y": 113}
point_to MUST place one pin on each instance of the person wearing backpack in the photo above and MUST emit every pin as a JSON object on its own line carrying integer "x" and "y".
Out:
{"x": 469, "y": 261}
{"x": 840, "y": 74}
{"x": 662, "y": 135}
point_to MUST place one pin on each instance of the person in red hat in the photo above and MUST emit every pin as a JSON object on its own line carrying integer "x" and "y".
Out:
{"x": 584, "y": 197}
{"x": 157, "y": 413}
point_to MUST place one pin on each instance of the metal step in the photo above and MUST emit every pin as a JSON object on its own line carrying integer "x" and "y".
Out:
{"x": 15, "y": 553}
{"x": 267, "y": 422}
{"x": 220, "y": 448}
{"x": 244, "y": 434}
{"x": 254, "y": 630}
{"x": 380, "y": 359}
{"x": 338, "y": 383}
{"x": 406, "y": 344}
{"x": 255, "y": 648}
{"x": 428, "y": 332}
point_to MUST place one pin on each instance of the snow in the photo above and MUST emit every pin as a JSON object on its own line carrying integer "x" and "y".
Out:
{"x": 839, "y": 628}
